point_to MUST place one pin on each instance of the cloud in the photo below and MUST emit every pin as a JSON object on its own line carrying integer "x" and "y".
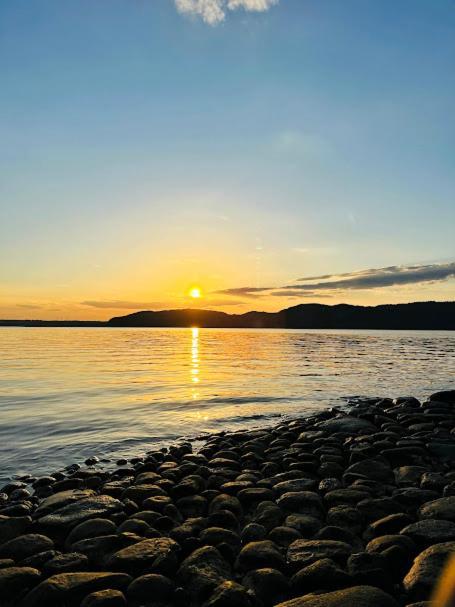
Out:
{"x": 28, "y": 306}
{"x": 215, "y": 11}
{"x": 127, "y": 305}
{"x": 379, "y": 277}
{"x": 374, "y": 278}
{"x": 245, "y": 291}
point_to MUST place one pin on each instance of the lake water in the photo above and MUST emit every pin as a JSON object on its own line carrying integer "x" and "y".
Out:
{"x": 67, "y": 393}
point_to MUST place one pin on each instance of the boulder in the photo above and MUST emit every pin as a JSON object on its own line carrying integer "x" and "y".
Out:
{"x": 15, "y": 581}
{"x": 13, "y": 526}
{"x": 348, "y": 424}
{"x": 70, "y": 588}
{"x": 426, "y": 569}
{"x": 202, "y": 571}
{"x": 105, "y": 598}
{"x": 430, "y": 531}
{"x": 304, "y": 552}
{"x": 358, "y": 596}
{"x": 229, "y": 594}
{"x": 258, "y": 555}
{"x": 157, "y": 555}
{"x": 323, "y": 574}
{"x": 77, "y": 511}
{"x": 151, "y": 585}
{"x": 442, "y": 508}
{"x": 24, "y": 546}
{"x": 269, "y": 585}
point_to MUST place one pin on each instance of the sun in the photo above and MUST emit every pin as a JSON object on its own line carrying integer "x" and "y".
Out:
{"x": 195, "y": 292}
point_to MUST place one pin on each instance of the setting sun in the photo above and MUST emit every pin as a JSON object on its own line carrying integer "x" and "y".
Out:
{"x": 195, "y": 292}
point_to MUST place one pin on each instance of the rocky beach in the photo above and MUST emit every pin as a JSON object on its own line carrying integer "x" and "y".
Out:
{"x": 342, "y": 508}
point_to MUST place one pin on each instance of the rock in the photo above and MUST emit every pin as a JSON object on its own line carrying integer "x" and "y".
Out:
{"x": 296, "y": 484}
{"x": 306, "y": 525}
{"x": 156, "y": 555}
{"x": 139, "y": 493}
{"x": 226, "y": 502}
{"x": 71, "y": 588}
{"x": 376, "y": 508}
{"x": 370, "y": 569}
{"x": 37, "y": 561}
{"x": 15, "y": 581}
{"x": 426, "y": 570}
{"x": 302, "y": 502}
{"x": 105, "y": 598}
{"x": 370, "y": 468}
{"x": 254, "y": 495}
{"x": 61, "y": 499}
{"x": 151, "y": 585}
{"x": 348, "y": 424}
{"x": 268, "y": 585}
{"x": 269, "y": 515}
{"x": 391, "y": 524}
{"x": 259, "y": 555}
{"x": 93, "y": 527}
{"x": 283, "y": 536}
{"x": 11, "y": 527}
{"x": 381, "y": 543}
{"x": 411, "y": 498}
{"x": 304, "y": 552}
{"x": 442, "y": 508}
{"x": 63, "y": 563}
{"x": 212, "y": 536}
{"x": 430, "y": 531}
{"x": 253, "y": 533}
{"x": 24, "y": 546}
{"x": 229, "y": 594}
{"x": 340, "y": 497}
{"x": 202, "y": 571}
{"x": 345, "y": 516}
{"x": 99, "y": 549}
{"x": 358, "y": 596}
{"x": 445, "y": 396}
{"x": 76, "y": 512}
{"x": 323, "y": 574}
{"x": 409, "y": 476}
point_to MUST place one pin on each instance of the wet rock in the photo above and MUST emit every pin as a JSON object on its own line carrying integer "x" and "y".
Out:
{"x": 99, "y": 549}
{"x": 360, "y": 596}
{"x": 70, "y": 515}
{"x": 105, "y": 598}
{"x": 370, "y": 468}
{"x": 304, "y": 552}
{"x": 153, "y": 555}
{"x": 226, "y": 502}
{"x": 269, "y": 515}
{"x": 340, "y": 497}
{"x": 229, "y": 594}
{"x": 24, "y": 546}
{"x": 323, "y": 574}
{"x": 345, "y": 516}
{"x": 430, "y": 531}
{"x": 15, "y": 581}
{"x": 202, "y": 571}
{"x": 37, "y": 561}
{"x": 446, "y": 396}
{"x": 296, "y": 484}
{"x": 61, "y": 499}
{"x": 151, "y": 586}
{"x": 213, "y": 536}
{"x": 370, "y": 569}
{"x": 426, "y": 569}
{"x": 283, "y": 536}
{"x": 71, "y": 588}
{"x": 269, "y": 585}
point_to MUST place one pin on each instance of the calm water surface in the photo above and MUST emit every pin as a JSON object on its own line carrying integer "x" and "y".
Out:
{"x": 67, "y": 393}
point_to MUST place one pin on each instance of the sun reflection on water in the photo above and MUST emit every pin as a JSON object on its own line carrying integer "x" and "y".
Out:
{"x": 194, "y": 360}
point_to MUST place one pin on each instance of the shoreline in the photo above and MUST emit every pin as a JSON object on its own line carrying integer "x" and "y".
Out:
{"x": 357, "y": 505}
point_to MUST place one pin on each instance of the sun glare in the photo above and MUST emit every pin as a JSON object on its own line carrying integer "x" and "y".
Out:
{"x": 195, "y": 292}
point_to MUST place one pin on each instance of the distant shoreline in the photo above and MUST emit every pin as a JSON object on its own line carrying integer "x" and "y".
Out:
{"x": 426, "y": 316}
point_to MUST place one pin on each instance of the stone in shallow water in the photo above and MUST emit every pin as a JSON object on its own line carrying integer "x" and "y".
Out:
{"x": 358, "y": 596}
{"x": 70, "y": 588}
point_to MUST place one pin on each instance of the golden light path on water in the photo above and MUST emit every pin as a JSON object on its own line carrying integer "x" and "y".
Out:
{"x": 67, "y": 393}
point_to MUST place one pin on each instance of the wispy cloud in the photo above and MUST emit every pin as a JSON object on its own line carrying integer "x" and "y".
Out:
{"x": 29, "y": 306}
{"x": 375, "y": 278}
{"x": 215, "y": 11}
{"x": 126, "y": 305}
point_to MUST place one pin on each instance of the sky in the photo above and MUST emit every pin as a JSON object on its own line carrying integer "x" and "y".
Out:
{"x": 267, "y": 152}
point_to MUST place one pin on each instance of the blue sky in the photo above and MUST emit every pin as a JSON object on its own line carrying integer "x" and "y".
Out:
{"x": 144, "y": 150}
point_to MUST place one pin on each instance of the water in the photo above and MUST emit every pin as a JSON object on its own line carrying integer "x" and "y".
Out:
{"x": 67, "y": 393}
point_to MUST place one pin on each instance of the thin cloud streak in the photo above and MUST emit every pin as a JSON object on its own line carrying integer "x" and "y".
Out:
{"x": 126, "y": 305}
{"x": 373, "y": 278}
